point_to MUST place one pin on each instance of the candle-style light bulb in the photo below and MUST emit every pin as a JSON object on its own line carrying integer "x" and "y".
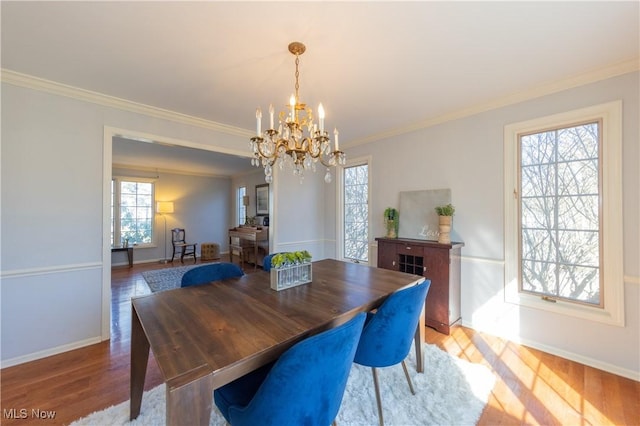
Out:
{"x": 321, "y": 116}
{"x": 271, "y": 116}
{"x": 258, "y": 121}
{"x": 292, "y": 103}
{"x": 335, "y": 134}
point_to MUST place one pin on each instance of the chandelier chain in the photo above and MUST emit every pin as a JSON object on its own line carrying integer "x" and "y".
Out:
{"x": 297, "y": 75}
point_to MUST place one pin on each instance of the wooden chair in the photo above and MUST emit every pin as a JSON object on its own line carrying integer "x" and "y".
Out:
{"x": 178, "y": 242}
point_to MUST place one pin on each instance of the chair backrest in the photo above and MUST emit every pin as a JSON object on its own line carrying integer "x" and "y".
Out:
{"x": 266, "y": 262}
{"x": 211, "y": 272}
{"x": 178, "y": 235}
{"x": 387, "y": 336}
{"x": 306, "y": 384}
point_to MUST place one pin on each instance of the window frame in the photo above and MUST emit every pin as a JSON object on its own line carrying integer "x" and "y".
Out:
{"x": 340, "y": 240}
{"x": 240, "y": 206}
{"x": 115, "y": 210}
{"x": 610, "y": 169}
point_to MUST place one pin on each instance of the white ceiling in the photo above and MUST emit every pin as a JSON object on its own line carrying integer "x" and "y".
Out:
{"x": 377, "y": 67}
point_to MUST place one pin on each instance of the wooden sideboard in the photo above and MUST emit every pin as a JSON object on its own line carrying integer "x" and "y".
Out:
{"x": 437, "y": 262}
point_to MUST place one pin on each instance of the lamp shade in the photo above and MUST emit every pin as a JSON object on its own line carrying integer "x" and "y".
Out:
{"x": 245, "y": 200}
{"x": 164, "y": 207}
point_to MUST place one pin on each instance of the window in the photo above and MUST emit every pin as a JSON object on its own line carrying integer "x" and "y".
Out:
{"x": 559, "y": 213}
{"x": 240, "y": 202}
{"x": 563, "y": 220}
{"x": 132, "y": 211}
{"x": 355, "y": 207}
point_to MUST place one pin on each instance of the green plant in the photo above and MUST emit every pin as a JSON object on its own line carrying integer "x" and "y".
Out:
{"x": 391, "y": 220}
{"x": 285, "y": 259}
{"x": 447, "y": 210}
{"x": 391, "y": 214}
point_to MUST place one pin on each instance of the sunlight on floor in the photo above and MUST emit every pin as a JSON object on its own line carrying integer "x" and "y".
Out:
{"x": 531, "y": 386}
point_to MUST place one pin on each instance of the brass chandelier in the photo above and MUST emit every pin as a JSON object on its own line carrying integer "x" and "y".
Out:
{"x": 289, "y": 144}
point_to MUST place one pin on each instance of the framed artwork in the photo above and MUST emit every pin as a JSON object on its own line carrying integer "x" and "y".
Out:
{"x": 262, "y": 199}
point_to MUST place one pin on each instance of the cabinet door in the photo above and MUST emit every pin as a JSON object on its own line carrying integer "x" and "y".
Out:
{"x": 437, "y": 270}
{"x": 387, "y": 255}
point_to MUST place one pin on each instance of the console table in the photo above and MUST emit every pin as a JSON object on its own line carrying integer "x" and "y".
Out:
{"x": 129, "y": 251}
{"x": 245, "y": 240}
{"x": 437, "y": 262}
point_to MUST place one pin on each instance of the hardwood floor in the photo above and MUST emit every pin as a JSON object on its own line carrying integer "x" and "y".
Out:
{"x": 532, "y": 387}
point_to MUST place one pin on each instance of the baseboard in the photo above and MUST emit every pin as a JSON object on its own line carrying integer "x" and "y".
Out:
{"x": 572, "y": 356}
{"x": 49, "y": 352}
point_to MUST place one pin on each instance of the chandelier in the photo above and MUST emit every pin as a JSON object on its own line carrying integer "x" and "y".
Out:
{"x": 298, "y": 142}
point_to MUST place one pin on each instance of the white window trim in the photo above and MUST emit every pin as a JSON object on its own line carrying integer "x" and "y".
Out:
{"x": 340, "y": 206}
{"x": 239, "y": 204}
{"x": 612, "y": 242}
{"x": 154, "y": 229}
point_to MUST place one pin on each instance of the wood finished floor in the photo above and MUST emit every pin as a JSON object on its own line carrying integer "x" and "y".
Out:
{"x": 532, "y": 387}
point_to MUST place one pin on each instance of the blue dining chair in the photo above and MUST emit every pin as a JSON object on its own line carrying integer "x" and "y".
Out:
{"x": 266, "y": 262}
{"x": 388, "y": 333}
{"x": 211, "y": 272}
{"x": 304, "y": 386}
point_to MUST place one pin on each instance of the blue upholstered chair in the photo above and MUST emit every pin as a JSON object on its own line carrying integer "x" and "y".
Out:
{"x": 266, "y": 262}
{"x": 388, "y": 333}
{"x": 304, "y": 386}
{"x": 211, "y": 272}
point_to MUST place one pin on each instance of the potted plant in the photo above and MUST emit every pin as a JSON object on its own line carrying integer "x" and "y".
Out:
{"x": 391, "y": 221}
{"x": 445, "y": 217}
{"x": 290, "y": 269}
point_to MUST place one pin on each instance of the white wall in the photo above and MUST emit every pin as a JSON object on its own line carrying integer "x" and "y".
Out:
{"x": 297, "y": 220}
{"x": 298, "y": 212}
{"x": 53, "y": 274}
{"x": 466, "y": 155}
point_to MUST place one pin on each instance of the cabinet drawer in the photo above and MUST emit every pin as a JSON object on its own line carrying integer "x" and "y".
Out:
{"x": 410, "y": 249}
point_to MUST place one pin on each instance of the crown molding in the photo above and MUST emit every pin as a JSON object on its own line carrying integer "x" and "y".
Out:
{"x": 36, "y": 83}
{"x": 582, "y": 79}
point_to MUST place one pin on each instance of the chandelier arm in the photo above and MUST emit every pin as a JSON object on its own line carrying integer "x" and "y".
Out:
{"x": 262, "y": 154}
{"x": 327, "y": 165}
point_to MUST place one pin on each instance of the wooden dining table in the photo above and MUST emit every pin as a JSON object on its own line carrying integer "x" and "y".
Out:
{"x": 206, "y": 336}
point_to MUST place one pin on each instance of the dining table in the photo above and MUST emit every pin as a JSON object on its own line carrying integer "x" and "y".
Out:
{"x": 206, "y": 336}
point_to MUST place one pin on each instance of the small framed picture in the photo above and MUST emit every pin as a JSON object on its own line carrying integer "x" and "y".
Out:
{"x": 262, "y": 199}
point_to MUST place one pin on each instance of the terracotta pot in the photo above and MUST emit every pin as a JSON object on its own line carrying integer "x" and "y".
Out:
{"x": 444, "y": 225}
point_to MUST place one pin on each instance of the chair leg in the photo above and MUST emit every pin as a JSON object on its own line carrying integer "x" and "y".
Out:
{"x": 173, "y": 254}
{"x": 377, "y": 387}
{"x": 406, "y": 374}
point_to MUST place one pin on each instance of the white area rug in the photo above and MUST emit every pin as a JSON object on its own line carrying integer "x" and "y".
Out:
{"x": 165, "y": 279}
{"x": 450, "y": 392}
